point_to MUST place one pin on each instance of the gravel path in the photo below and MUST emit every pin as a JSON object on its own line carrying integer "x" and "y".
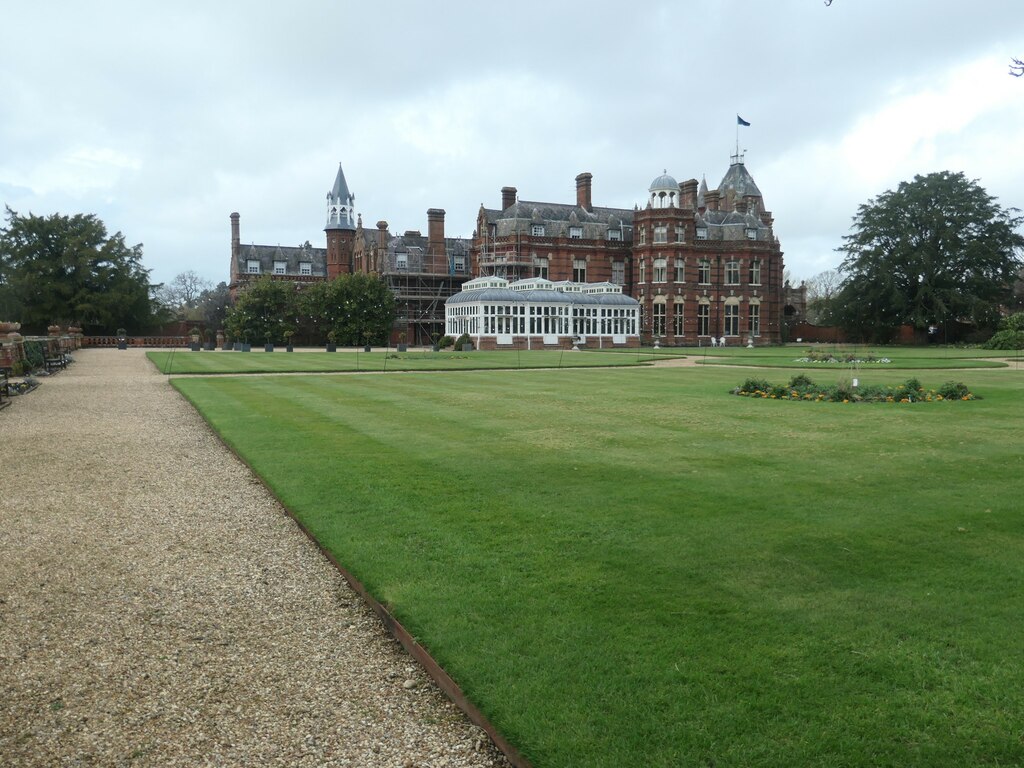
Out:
{"x": 157, "y": 607}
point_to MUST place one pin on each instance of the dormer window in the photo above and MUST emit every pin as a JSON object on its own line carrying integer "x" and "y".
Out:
{"x": 751, "y": 233}
{"x": 576, "y": 233}
{"x": 280, "y": 267}
{"x": 252, "y": 267}
{"x": 615, "y": 234}
{"x": 537, "y": 230}
{"x": 702, "y": 233}
{"x": 305, "y": 268}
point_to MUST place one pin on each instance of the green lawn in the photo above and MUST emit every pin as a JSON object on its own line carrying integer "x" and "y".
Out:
{"x": 633, "y": 568}
{"x": 279, "y": 361}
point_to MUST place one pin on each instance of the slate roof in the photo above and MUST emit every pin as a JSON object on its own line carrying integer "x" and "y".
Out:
{"x": 558, "y": 217}
{"x": 268, "y": 254}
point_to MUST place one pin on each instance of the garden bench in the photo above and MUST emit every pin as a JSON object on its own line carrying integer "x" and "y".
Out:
{"x": 55, "y": 363}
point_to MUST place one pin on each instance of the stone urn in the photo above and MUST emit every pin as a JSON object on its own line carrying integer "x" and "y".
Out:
{"x": 53, "y": 330}
{"x": 9, "y": 328}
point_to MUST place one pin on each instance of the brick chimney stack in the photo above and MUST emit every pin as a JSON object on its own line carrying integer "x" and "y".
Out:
{"x": 435, "y": 231}
{"x": 711, "y": 199}
{"x": 688, "y": 194}
{"x": 508, "y": 197}
{"x": 583, "y": 191}
{"x": 382, "y": 234}
{"x": 236, "y": 238}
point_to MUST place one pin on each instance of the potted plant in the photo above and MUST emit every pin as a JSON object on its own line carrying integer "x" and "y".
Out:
{"x": 366, "y": 341}
{"x": 401, "y": 342}
{"x": 194, "y": 335}
{"x": 208, "y": 344}
{"x": 269, "y": 345}
{"x": 122, "y": 338}
{"x": 433, "y": 338}
{"x": 465, "y": 343}
{"x": 332, "y": 338}
{"x": 288, "y": 340}
{"x": 222, "y": 340}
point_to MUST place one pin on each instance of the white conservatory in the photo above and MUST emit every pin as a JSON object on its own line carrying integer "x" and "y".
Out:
{"x": 538, "y": 314}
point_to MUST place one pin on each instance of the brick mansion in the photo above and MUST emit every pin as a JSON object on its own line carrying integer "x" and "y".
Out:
{"x": 689, "y": 265}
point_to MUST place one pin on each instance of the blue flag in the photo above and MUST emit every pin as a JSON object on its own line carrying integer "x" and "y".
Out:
{"x": 741, "y": 121}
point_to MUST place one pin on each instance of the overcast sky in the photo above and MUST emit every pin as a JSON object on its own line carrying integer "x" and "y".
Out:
{"x": 162, "y": 119}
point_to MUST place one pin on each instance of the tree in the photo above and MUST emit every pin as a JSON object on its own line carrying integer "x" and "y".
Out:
{"x": 357, "y": 307}
{"x": 937, "y": 248}
{"x": 66, "y": 270}
{"x": 1016, "y": 67}
{"x": 263, "y": 311}
{"x": 822, "y": 291}
{"x": 213, "y": 304}
{"x": 182, "y": 294}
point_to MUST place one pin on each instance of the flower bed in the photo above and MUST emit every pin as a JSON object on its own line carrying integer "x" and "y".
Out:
{"x": 813, "y": 356}
{"x": 803, "y": 389}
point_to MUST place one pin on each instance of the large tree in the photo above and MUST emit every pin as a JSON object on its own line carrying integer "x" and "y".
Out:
{"x": 264, "y": 311}
{"x": 822, "y": 291}
{"x": 66, "y": 270}
{"x": 936, "y": 249}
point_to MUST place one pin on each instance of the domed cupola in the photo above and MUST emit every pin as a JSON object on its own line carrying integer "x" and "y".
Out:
{"x": 664, "y": 192}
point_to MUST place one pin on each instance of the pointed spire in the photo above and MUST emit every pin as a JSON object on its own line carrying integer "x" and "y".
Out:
{"x": 340, "y": 202}
{"x": 702, "y": 191}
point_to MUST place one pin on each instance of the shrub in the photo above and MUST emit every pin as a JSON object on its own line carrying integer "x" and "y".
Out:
{"x": 913, "y": 385}
{"x": 801, "y": 381}
{"x": 445, "y": 341}
{"x": 1014, "y": 322}
{"x": 463, "y": 339}
{"x": 34, "y": 354}
{"x": 1008, "y": 339}
{"x": 755, "y": 385}
{"x": 954, "y": 390}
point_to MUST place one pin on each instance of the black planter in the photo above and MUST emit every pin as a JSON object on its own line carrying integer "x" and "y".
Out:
{"x": 402, "y": 348}
{"x": 366, "y": 348}
{"x": 332, "y": 347}
{"x": 437, "y": 348}
{"x": 246, "y": 347}
{"x": 209, "y": 346}
{"x": 227, "y": 346}
{"x": 467, "y": 347}
{"x": 289, "y": 348}
{"x": 268, "y": 347}
{"x": 122, "y": 345}
{"x": 194, "y": 346}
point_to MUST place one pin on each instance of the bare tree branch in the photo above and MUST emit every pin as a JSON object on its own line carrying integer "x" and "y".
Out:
{"x": 1016, "y": 67}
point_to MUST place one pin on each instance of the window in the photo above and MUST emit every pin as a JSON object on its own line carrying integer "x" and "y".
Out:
{"x": 643, "y": 270}
{"x": 401, "y": 261}
{"x": 680, "y": 232}
{"x": 252, "y": 267}
{"x": 751, "y": 233}
{"x": 537, "y": 230}
{"x": 680, "y": 271}
{"x": 540, "y": 267}
{"x": 704, "y": 271}
{"x": 732, "y": 273}
{"x": 460, "y": 263}
{"x": 702, "y": 233}
{"x": 280, "y": 267}
{"x": 305, "y": 268}
{"x": 661, "y": 234}
{"x": 755, "y": 273}
{"x": 754, "y": 320}
{"x": 677, "y": 317}
{"x": 576, "y": 233}
{"x": 643, "y": 235}
{"x": 732, "y": 319}
{"x": 579, "y": 270}
{"x": 658, "y": 327}
{"x": 703, "y": 319}
{"x": 660, "y": 270}
{"x": 615, "y": 234}
{"x": 619, "y": 272}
